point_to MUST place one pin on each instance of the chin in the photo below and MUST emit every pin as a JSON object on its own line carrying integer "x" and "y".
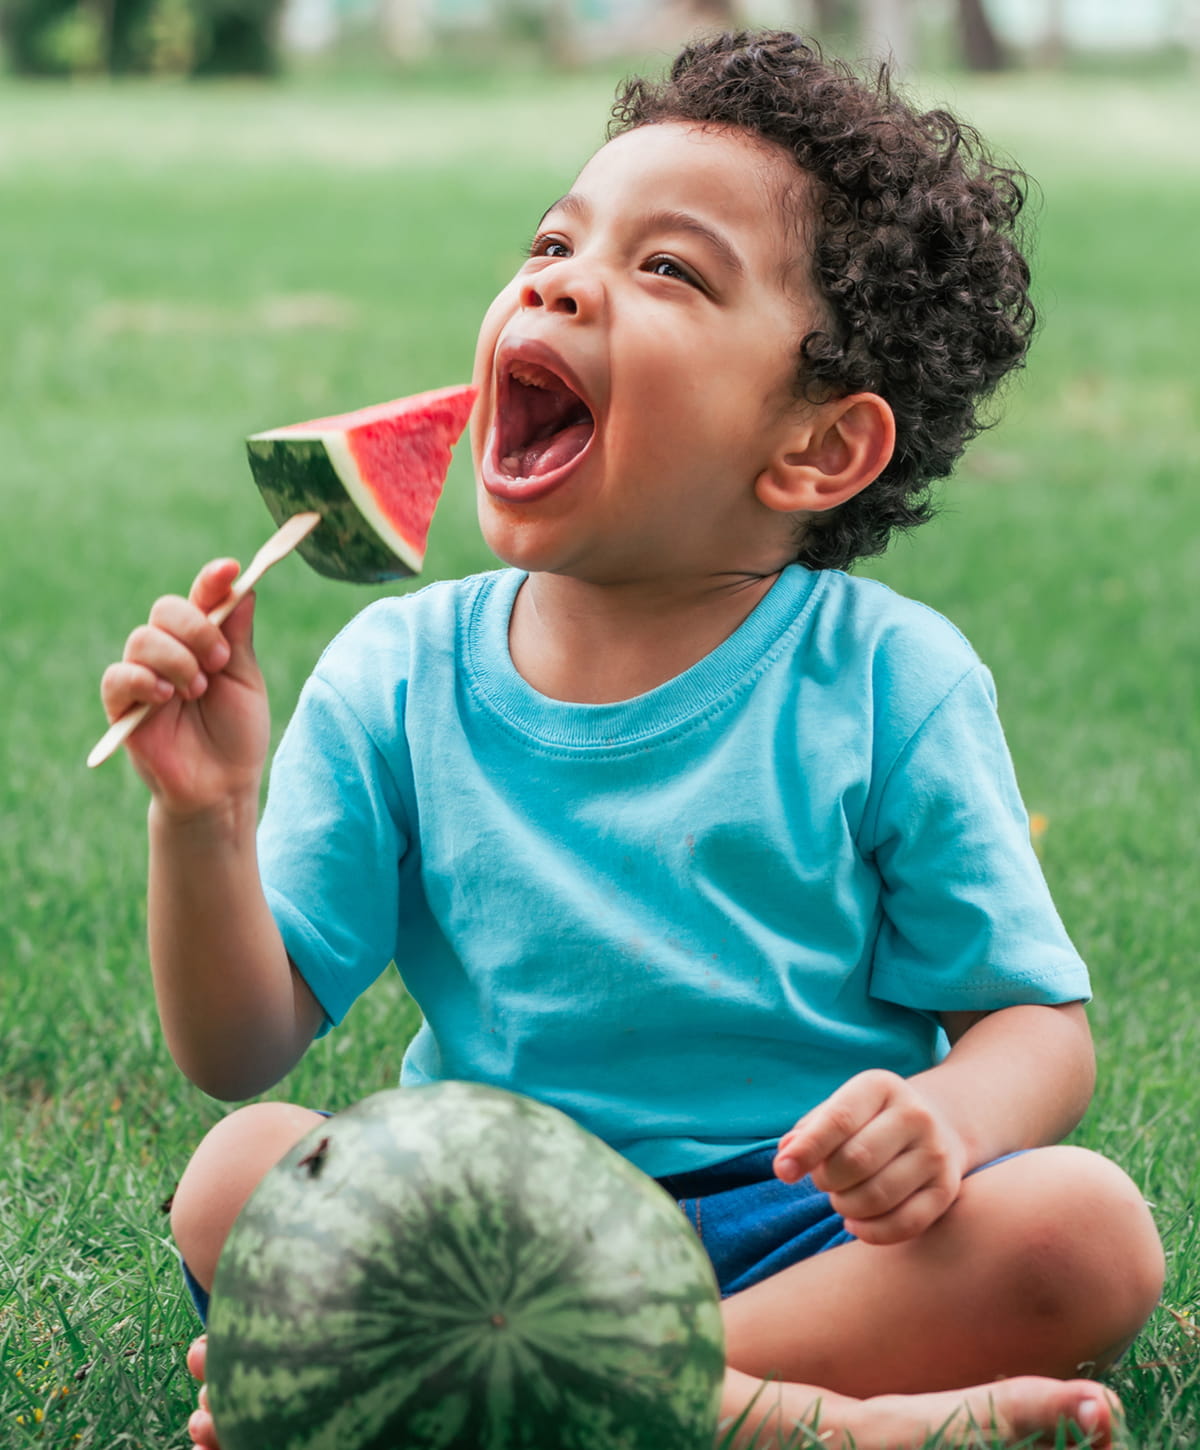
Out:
{"x": 516, "y": 541}
{"x": 537, "y": 548}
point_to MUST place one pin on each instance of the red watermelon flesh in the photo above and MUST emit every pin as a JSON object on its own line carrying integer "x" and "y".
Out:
{"x": 375, "y": 475}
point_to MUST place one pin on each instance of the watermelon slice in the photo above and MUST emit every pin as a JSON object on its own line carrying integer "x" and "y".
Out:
{"x": 374, "y": 475}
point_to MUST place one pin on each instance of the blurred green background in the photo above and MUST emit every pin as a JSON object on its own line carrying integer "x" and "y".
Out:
{"x": 183, "y": 262}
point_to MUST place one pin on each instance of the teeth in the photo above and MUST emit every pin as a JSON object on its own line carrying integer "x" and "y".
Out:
{"x": 524, "y": 375}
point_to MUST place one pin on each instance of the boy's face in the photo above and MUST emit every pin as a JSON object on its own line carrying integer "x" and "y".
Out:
{"x": 637, "y": 373}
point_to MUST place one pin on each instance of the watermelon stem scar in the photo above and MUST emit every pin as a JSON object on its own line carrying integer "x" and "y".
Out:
{"x": 374, "y": 476}
{"x": 312, "y": 1161}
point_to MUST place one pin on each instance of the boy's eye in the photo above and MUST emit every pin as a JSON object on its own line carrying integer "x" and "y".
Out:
{"x": 548, "y": 246}
{"x": 663, "y": 266}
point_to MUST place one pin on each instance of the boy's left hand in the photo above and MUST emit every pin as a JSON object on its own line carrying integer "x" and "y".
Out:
{"x": 889, "y": 1161}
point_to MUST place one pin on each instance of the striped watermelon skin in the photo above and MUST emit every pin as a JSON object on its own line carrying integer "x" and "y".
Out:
{"x": 375, "y": 476}
{"x": 462, "y": 1268}
{"x": 295, "y": 476}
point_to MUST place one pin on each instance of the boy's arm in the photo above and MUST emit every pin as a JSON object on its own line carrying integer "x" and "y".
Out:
{"x": 236, "y": 1014}
{"x": 891, "y": 1151}
{"x": 1021, "y": 1077}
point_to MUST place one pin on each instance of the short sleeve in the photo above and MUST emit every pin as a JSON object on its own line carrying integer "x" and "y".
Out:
{"x": 331, "y": 841}
{"x": 968, "y": 923}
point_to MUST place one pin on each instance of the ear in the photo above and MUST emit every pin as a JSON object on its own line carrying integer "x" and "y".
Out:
{"x": 829, "y": 455}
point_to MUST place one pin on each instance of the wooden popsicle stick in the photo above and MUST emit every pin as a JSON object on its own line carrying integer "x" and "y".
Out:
{"x": 278, "y": 546}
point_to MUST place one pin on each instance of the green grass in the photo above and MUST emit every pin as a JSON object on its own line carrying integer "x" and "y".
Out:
{"x": 181, "y": 266}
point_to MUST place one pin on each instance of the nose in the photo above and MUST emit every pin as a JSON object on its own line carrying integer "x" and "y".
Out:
{"x": 561, "y": 288}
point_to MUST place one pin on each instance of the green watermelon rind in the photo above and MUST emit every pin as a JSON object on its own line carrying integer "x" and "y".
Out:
{"x": 520, "y": 1214}
{"x": 354, "y": 541}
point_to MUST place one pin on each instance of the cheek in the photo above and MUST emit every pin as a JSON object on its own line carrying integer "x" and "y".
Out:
{"x": 477, "y": 430}
{"x": 689, "y": 400}
{"x": 659, "y": 388}
{"x": 489, "y": 332}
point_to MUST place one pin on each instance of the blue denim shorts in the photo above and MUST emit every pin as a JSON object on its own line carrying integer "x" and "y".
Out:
{"x": 751, "y": 1224}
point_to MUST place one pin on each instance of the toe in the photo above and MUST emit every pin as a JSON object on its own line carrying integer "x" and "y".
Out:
{"x": 1041, "y": 1407}
{"x": 197, "y": 1355}
{"x": 1095, "y": 1411}
{"x": 202, "y": 1431}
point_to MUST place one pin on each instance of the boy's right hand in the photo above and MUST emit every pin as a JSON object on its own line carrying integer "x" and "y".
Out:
{"x": 205, "y": 746}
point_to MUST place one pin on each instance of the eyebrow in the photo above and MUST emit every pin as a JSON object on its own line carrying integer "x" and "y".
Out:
{"x": 672, "y": 221}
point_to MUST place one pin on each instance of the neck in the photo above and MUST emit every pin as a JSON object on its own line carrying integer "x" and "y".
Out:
{"x": 597, "y": 643}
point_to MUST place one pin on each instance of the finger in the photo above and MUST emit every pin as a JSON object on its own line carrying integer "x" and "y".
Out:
{"x": 886, "y": 1190}
{"x": 123, "y": 686}
{"x": 186, "y": 622}
{"x": 212, "y": 583}
{"x": 866, "y": 1154}
{"x": 906, "y": 1221}
{"x": 828, "y": 1126}
{"x": 239, "y": 631}
{"x": 162, "y": 654}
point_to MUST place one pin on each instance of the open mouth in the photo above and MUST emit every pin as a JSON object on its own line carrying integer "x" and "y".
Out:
{"x": 542, "y": 424}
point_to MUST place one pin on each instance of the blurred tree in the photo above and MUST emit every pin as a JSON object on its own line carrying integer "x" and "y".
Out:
{"x": 562, "y": 44}
{"x": 236, "y": 37}
{"x": 713, "y": 14}
{"x": 126, "y": 37}
{"x": 167, "y": 43}
{"x": 888, "y": 32}
{"x": 1052, "y": 47}
{"x": 550, "y": 26}
{"x": 405, "y": 28}
{"x": 981, "y": 46}
{"x": 1191, "y": 32}
{"x": 822, "y": 17}
{"x": 129, "y": 21}
{"x": 43, "y": 37}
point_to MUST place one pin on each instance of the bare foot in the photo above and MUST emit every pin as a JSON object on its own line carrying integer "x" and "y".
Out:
{"x": 200, "y": 1426}
{"x": 1008, "y": 1412}
{"x": 1027, "y": 1410}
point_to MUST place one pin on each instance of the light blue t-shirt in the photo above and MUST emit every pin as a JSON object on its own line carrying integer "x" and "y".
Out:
{"x": 684, "y": 918}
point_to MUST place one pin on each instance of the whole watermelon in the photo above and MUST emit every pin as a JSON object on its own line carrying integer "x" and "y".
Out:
{"x": 455, "y": 1267}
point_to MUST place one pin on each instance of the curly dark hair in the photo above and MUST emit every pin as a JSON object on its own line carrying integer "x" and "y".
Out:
{"x": 916, "y": 251}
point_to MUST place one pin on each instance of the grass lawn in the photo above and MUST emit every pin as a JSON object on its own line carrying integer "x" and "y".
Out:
{"x": 179, "y": 267}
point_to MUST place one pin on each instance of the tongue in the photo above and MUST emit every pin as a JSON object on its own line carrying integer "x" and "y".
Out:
{"x": 544, "y": 456}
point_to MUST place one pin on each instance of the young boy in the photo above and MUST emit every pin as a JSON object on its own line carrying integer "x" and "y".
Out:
{"x": 672, "y": 823}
